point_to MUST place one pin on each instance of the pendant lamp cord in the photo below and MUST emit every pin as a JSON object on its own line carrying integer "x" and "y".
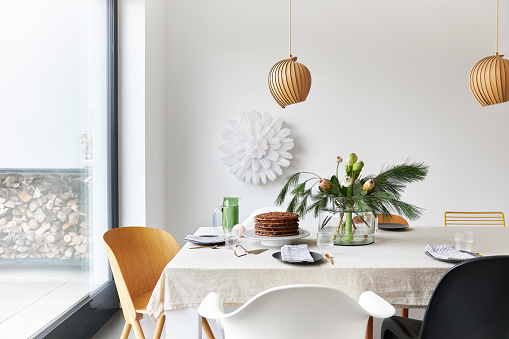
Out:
{"x": 290, "y": 28}
{"x": 496, "y": 39}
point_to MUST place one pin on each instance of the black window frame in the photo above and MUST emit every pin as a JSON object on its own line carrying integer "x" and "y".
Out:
{"x": 93, "y": 311}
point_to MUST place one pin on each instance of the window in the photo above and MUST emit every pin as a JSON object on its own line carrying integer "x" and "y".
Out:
{"x": 58, "y": 172}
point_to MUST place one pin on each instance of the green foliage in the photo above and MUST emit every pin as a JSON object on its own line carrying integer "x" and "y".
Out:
{"x": 382, "y": 199}
{"x": 292, "y": 180}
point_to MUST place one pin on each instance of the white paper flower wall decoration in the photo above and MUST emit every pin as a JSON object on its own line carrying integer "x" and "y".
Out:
{"x": 256, "y": 147}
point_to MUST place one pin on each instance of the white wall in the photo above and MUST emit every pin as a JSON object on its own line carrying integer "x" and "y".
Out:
{"x": 155, "y": 119}
{"x": 131, "y": 31}
{"x": 390, "y": 81}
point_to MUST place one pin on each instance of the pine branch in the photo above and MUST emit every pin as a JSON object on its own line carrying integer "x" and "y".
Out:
{"x": 291, "y": 181}
{"x": 301, "y": 210}
{"x": 299, "y": 190}
{"x": 394, "y": 179}
{"x": 293, "y": 202}
{"x": 383, "y": 199}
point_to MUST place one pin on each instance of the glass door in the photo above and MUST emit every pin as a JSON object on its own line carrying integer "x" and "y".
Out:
{"x": 56, "y": 140}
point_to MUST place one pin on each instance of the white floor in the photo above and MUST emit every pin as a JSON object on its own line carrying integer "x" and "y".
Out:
{"x": 33, "y": 296}
{"x": 113, "y": 328}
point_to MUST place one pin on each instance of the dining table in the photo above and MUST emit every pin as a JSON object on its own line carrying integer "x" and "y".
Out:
{"x": 395, "y": 267}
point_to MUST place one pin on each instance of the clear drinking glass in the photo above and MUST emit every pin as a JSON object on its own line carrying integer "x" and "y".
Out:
{"x": 231, "y": 238}
{"x": 464, "y": 240}
{"x": 325, "y": 241}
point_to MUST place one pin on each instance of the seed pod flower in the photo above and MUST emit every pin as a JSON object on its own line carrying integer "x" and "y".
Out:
{"x": 325, "y": 184}
{"x": 368, "y": 185}
{"x": 339, "y": 159}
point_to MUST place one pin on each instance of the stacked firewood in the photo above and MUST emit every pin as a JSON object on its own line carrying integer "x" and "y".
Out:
{"x": 43, "y": 216}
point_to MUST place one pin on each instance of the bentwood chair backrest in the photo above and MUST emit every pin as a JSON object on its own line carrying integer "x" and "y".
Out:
{"x": 474, "y": 218}
{"x": 137, "y": 257}
{"x": 395, "y": 219}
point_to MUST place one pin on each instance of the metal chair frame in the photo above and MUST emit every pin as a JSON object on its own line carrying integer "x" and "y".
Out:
{"x": 474, "y": 219}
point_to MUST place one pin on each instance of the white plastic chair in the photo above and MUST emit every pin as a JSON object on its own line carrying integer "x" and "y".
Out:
{"x": 297, "y": 311}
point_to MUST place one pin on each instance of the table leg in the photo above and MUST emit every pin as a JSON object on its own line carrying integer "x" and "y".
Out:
{"x": 207, "y": 329}
{"x": 404, "y": 312}
{"x": 200, "y": 322}
{"x": 369, "y": 329}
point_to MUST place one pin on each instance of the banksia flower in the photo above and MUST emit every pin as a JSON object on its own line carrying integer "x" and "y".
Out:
{"x": 368, "y": 185}
{"x": 325, "y": 184}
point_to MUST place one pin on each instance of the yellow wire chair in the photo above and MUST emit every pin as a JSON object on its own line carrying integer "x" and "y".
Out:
{"x": 474, "y": 219}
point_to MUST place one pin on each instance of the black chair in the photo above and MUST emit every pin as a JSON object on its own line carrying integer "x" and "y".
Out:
{"x": 470, "y": 302}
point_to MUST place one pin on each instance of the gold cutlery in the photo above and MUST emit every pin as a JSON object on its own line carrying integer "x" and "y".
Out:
{"x": 328, "y": 256}
{"x": 212, "y": 247}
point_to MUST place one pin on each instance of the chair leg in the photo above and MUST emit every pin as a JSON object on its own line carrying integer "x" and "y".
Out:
{"x": 404, "y": 312}
{"x": 369, "y": 329}
{"x": 206, "y": 328}
{"x": 159, "y": 327}
{"x": 125, "y": 332}
{"x": 137, "y": 330}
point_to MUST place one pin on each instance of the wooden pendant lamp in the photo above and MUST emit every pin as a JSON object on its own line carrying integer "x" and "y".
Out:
{"x": 289, "y": 81}
{"x": 489, "y": 78}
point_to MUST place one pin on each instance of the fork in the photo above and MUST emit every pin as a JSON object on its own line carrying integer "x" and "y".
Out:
{"x": 328, "y": 256}
{"x": 213, "y": 247}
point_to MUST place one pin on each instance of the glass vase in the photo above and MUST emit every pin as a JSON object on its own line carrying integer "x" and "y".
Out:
{"x": 350, "y": 224}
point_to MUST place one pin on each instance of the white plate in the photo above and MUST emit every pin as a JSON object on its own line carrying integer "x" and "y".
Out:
{"x": 275, "y": 241}
{"x": 196, "y": 242}
{"x": 453, "y": 261}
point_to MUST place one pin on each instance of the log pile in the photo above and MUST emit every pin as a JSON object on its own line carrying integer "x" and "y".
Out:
{"x": 43, "y": 216}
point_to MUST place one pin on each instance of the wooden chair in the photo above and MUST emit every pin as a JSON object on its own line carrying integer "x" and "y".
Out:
{"x": 395, "y": 219}
{"x": 137, "y": 257}
{"x": 297, "y": 311}
{"x": 474, "y": 218}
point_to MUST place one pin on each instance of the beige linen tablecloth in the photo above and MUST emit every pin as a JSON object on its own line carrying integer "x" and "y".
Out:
{"x": 395, "y": 267}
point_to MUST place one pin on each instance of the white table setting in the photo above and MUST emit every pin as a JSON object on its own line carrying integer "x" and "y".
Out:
{"x": 394, "y": 267}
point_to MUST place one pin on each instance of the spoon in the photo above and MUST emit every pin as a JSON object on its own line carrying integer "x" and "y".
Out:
{"x": 328, "y": 256}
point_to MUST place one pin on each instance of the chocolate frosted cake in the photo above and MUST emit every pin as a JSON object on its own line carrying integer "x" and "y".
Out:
{"x": 277, "y": 224}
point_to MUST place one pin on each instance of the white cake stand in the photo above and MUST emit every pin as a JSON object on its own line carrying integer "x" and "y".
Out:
{"x": 275, "y": 241}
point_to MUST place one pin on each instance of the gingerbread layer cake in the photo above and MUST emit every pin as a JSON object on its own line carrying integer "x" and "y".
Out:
{"x": 277, "y": 224}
